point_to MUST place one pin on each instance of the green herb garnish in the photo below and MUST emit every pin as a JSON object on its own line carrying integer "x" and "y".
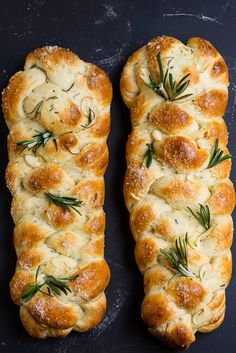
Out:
{"x": 203, "y": 216}
{"x": 168, "y": 88}
{"x": 74, "y": 153}
{"x": 90, "y": 117}
{"x": 37, "y": 110}
{"x": 149, "y": 154}
{"x": 217, "y": 156}
{"x": 67, "y": 90}
{"x": 178, "y": 258}
{"x": 54, "y": 286}
{"x": 65, "y": 202}
{"x": 39, "y": 139}
{"x": 52, "y": 97}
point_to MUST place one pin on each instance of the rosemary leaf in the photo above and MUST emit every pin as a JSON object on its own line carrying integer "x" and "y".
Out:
{"x": 153, "y": 85}
{"x": 74, "y": 153}
{"x": 183, "y": 97}
{"x": 30, "y": 291}
{"x": 37, "y": 110}
{"x": 178, "y": 258}
{"x": 166, "y": 74}
{"x": 91, "y": 118}
{"x": 160, "y": 66}
{"x": 203, "y": 216}
{"x": 55, "y": 144}
{"x": 180, "y": 90}
{"x": 181, "y": 81}
{"x": 37, "y": 273}
{"x": 149, "y": 155}
{"x": 54, "y": 286}
{"x": 171, "y": 82}
{"x": 217, "y": 156}
{"x": 65, "y": 202}
{"x": 52, "y": 97}
{"x": 169, "y": 89}
{"x": 39, "y": 139}
{"x": 67, "y": 90}
{"x": 38, "y": 107}
{"x": 54, "y": 290}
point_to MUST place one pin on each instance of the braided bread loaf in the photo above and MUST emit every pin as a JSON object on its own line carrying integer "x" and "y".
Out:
{"x": 58, "y": 113}
{"x": 174, "y": 138}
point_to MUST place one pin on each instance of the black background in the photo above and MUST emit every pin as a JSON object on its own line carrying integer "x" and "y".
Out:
{"x": 106, "y": 33}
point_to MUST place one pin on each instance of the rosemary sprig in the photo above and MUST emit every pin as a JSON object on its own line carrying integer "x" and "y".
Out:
{"x": 149, "y": 155}
{"x": 90, "y": 117}
{"x": 65, "y": 202}
{"x": 203, "y": 216}
{"x": 217, "y": 156}
{"x": 30, "y": 291}
{"x": 157, "y": 88}
{"x": 168, "y": 88}
{"x": 54, "y": 286}
{"x": 39, "y": 139}
{"x": 178, "y": 258}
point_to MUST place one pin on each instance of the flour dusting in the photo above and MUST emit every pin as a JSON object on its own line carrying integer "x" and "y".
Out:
{"x": 230, "y": 60}
{"x": 40, "y": 2}
{"x": 226, "y": 6}
{"x": 114, "y": 59}
{"x": 129, "y": 26}
{"x": 109, "y": 14}
{"x": 116, "y": 264}
{"x": 112, "y": 313}
{"x": 110, "y": 11}
{"x": 233, "y": 87}
{"x": 200, "y": 17}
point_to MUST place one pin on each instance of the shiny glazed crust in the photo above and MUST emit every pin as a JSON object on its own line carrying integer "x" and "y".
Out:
{"x": 183, "y": 134}
{"x": 72, "y": 163}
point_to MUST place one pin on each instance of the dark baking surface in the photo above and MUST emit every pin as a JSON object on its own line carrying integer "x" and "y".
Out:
{"x": 106, "y": 33}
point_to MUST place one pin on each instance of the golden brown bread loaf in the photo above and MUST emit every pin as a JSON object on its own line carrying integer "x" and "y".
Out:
{"x": 174, "y": 157}
{"x": 58, "y": 113}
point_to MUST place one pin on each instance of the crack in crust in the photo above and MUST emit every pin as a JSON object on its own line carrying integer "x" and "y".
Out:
{"x": 183, "y": 134}
{"x": 54, "y": 92}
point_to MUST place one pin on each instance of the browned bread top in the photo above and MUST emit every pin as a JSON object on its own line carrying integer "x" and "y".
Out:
{"x": 69, "y": 99}
{"x": 180, "y": 133}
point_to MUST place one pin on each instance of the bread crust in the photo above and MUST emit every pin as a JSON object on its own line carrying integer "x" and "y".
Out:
{"x": 72, "y": 163}
{"x": 183, "y": 134}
